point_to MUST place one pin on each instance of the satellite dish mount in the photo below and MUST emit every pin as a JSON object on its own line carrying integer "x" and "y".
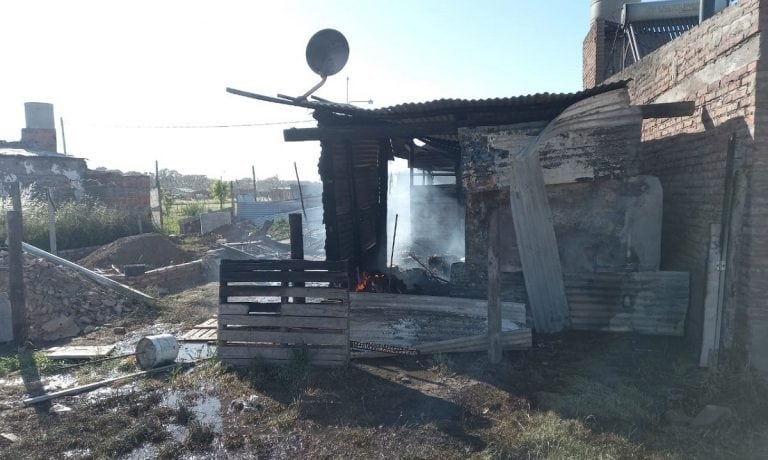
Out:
{"x": 327, "y": 53}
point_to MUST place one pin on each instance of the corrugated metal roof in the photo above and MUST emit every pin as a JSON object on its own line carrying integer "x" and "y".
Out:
{"x": 495, "y": 104}
{"x": 449, "y": 106}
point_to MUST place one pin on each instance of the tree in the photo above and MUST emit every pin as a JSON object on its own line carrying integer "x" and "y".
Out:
{"x": 220, "y": 191}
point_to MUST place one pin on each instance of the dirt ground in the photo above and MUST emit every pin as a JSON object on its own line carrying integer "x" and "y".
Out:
{"x": 153, "y": 249}
{"x": 571, "y": 396}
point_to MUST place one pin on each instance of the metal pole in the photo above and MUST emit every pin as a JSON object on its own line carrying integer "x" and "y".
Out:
{"x": 301, "y": 195}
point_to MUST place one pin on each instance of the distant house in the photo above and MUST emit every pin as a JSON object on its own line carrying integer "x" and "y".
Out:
{"x": 35, "y": 163}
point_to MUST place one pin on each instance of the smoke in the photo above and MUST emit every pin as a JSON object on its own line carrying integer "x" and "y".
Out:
{"x": 430, "y": 220}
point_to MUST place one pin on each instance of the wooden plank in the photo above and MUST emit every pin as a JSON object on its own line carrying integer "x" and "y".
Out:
{"x": 299, "y": 338}
{"x": 310, "y": 309}
{"x": 289, "y": 276}
{"x": 284, "y": 291}
{"x": 284, "y": 321}
{"x": 709, "y": 346}
{"x": 536, "y": 243}
{"x": 79, "y": 352}
{"x": 494, "y": 291}
{"x": 668, "y": 109}
{"x": 280, "y": 353}
{"x": 231, "y": 266}
{"x": 361, "y": 301}
{"x": 316, "y": 309}
{"x": 248, "y": 362}
{"x": 521, "y": 338}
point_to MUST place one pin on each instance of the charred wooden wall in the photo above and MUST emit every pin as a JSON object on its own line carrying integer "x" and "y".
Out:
{"x": 354, "y": 175}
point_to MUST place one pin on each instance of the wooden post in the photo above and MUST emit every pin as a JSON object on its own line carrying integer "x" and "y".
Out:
{"x": 51, "y": 223}
{"x": 709, "y": 342}
{"x": 15, "y": 192}
{"x": 494, "y": 291}
{"x": 297, "y": 245}
{"x": 16, "y": 276}
{"x": 159, "y": 193}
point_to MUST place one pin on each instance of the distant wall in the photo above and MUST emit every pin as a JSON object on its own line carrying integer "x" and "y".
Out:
{"x": 129, "y": 193}
{"x": 65, "y": 175}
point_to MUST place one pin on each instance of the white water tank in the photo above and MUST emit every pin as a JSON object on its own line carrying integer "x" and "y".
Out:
{"x": 39, "y": 115}
{"x": 608, "y": 10}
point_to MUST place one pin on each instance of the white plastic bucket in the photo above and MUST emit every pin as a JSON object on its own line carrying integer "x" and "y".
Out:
{"x": 154, "y": 350}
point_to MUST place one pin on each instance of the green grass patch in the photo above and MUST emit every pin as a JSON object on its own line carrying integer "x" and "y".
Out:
{"x": 27, "y": 363}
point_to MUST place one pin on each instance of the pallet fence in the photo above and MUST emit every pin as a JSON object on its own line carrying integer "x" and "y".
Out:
{"x": 276, "y": 311}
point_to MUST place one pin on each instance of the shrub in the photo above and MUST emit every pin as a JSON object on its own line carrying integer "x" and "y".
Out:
{"x": 78, "y": 224}
{"x": 193, "y": 209}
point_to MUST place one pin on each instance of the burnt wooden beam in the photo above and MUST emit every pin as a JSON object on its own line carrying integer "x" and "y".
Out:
{"x": 368, "y": 132}
{"x": 668, "y": 109}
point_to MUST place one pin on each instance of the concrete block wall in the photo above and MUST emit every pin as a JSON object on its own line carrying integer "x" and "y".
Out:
{"x": 169, "y": 279}
{"x": 62, "y": 174}
{"x": 716, "y": 65}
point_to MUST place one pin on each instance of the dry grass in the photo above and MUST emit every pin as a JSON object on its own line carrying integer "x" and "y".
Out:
{"x": 577, "y": 396}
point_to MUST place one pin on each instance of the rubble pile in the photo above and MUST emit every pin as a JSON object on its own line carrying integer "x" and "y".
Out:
{"x": 63, "y": 303}
{"x": 152, "y": 249}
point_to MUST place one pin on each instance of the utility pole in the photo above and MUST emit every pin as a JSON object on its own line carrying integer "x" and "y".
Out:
{"x": 253, "y": 173}
{"x": 63, "y": 137}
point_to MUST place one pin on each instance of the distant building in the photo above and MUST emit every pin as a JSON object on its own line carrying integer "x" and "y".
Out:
{"x": 34, "y": 162}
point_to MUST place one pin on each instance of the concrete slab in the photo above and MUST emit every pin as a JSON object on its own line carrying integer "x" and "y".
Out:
{"x": 79, "y": 352}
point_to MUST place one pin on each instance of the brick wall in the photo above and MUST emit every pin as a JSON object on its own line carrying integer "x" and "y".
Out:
{"x": 715, "y": 65}
{"x": 128, "y": 193}
{"x": 593, "y": 54}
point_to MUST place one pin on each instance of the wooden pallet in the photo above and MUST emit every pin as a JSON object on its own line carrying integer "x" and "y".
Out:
{"x": 275, "y": 311}
{"x": 203, "y": 332}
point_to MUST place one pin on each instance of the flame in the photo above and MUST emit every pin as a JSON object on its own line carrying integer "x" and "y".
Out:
{"x": 371, "y": 282}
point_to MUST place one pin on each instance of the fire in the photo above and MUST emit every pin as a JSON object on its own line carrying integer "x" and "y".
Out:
{"x": 372, "y": 282}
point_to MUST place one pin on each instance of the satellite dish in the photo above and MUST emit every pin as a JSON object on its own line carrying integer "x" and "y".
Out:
{"x": 327, "y": 52}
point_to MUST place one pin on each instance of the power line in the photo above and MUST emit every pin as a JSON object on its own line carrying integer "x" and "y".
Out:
{"x": 243, "y": 125}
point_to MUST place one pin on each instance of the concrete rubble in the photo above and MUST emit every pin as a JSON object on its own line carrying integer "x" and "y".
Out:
{"x": 62, "y": 303}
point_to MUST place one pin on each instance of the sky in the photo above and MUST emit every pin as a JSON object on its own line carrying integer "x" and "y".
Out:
{"x": 139, "y": 81}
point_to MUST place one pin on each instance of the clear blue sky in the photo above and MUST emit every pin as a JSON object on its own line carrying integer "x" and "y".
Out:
{"x": 117, "y": 70}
